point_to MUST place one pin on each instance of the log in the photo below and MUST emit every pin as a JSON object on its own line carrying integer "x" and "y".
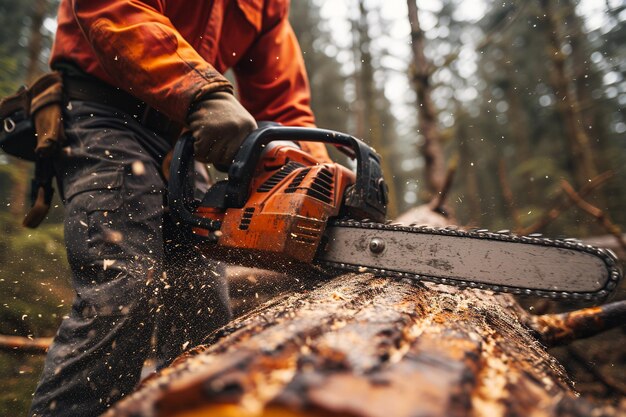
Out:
{"x": 250, "y": 287}
{"x": 365, "y": 346}
{"x": 25, "y": 344}
{"x": 608, "y": 242}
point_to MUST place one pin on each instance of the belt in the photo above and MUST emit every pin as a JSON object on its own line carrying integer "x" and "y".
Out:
{"x": 85, "y": 89}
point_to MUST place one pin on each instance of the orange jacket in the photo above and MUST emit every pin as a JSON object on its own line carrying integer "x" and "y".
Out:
{"x": 170, "y": 52}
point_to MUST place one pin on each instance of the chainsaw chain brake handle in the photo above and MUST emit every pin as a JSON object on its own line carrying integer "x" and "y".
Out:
{"x": 367, "y": 198}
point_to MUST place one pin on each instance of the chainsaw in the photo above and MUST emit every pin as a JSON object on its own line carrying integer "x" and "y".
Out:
{"x": 281, "y": 208}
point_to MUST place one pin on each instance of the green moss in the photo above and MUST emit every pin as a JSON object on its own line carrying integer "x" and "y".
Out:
{"x": 35, "y": 294}
{"x": 19, "y": 374}
{"x": 34, "y": 281}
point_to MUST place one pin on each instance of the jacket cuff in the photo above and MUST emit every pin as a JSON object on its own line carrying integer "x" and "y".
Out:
{"x": 199, "y": 86}
{"x": 215, "y": 86}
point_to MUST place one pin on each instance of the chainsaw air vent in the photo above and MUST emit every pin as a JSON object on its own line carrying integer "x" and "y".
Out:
{"x": 322, "y": 186}
{"x": 307, "y": 232}
{"x": 246, "y": 218}
{"x": 278, "y": 176}
{"x": 297, "y": 180}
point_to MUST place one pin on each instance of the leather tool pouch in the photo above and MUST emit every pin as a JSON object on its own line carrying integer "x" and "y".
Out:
{"x": 46, "y": 113}
{"x": 32, "y": 124}
{"x": 17, "y": 136}
{"x": 32, "y": 129}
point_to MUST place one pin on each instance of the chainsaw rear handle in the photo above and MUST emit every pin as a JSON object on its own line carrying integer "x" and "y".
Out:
{"x": 369, "y": 191}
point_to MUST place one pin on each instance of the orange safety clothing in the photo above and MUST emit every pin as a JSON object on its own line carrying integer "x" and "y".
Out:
{"x": 168, "y": 53}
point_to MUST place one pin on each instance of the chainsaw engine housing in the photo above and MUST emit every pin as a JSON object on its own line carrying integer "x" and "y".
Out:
{"x": 291, "y": 200}
{"x": 278, "y": 201}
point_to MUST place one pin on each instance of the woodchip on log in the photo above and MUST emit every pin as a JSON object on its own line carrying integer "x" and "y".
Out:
{"x": 364, "y": 346}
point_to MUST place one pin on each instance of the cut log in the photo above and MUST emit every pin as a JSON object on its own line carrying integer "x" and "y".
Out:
{"x": 250, "y": 287}
{"x": 366, "y": 346}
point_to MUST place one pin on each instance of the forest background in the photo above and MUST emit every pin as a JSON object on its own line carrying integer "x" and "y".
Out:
{"x": 507, "y": 108}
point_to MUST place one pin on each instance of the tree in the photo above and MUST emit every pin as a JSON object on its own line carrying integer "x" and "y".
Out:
{"x": 567, "y": 103}
{"x": 422, "y": 69}
{"x": 371, "y": 108}
{"x": 328, "y": 83}
{"x": 516, "y": 116}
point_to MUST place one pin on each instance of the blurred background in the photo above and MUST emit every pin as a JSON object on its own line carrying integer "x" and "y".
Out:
{"x": 505, "y": 114}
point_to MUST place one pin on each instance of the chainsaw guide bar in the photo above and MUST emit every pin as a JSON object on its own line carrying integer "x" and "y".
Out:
{"x": 496, "y": 261}
{"x": 282, "y": 208}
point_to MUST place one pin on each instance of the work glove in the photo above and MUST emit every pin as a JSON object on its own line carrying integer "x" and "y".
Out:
{"x": 219, "y": 123}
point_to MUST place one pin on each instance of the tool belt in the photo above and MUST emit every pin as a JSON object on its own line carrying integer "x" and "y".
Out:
{"x": 32, "y": 126}
{"x": 91, "y": 89}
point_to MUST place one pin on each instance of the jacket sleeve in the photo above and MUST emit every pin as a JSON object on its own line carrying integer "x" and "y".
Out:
{"x": 273, "y": 84}
{"x": 144, "y": 54}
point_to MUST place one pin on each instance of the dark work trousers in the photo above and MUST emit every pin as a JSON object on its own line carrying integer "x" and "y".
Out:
{"x": 133, "y": 272}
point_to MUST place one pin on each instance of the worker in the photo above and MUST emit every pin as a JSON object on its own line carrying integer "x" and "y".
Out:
{"x": 134, "y": 74}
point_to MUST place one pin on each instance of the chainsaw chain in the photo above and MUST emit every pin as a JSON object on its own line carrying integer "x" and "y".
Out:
{"x": 606, "y": 255}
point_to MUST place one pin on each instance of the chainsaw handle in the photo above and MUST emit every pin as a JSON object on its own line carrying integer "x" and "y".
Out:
{"x": 369, "y": 193}
{"x": 241, "y": 172}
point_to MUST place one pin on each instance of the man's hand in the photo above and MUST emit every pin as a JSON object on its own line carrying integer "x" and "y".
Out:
{"x": 220, "y": 124}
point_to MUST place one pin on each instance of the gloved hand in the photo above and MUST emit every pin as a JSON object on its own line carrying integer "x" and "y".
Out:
{"x": 220, "y": 124}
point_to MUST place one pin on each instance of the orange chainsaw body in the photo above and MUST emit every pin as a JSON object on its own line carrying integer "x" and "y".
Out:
{"x": 274, "y": 207}
{"x": 291, "y": 199}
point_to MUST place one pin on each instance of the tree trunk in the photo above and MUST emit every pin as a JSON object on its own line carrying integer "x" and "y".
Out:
{"x": 431, "y": 149}
{"x": 470, "y": 197}
{"x": 520, "y": 123}
{"x": 363, "y": 346}
{"x": 567, "y": 105}
{"x": 369, "y": 123}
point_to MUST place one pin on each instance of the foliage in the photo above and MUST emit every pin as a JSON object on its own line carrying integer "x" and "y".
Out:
{"x": 325, "y": 76}
{"x": 34, "y": 280}
{"x": 34, "y": 296}
{"x": 19, "y": 374}
{"x": 13, "y": 24}
{"x": 34, "y": 276}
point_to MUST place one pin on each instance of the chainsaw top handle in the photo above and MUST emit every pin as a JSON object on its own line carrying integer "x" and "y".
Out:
{"x": 369, "y": 193}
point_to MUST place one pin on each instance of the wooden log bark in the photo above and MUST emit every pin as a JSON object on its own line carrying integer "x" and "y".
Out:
{"x": 366, "y": 346}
